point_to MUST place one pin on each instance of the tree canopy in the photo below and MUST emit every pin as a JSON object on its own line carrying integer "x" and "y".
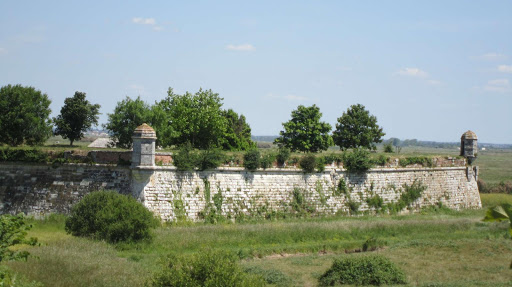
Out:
{"x": 197, "y": 119}
{"x": 357, "y": 128}
{"x": 76, "y": 116}
{"x": 238, "y": 132}
{"x": 127, "y": 115}
{"x": 305, "y": 132}
{"x": 24, "y": 116}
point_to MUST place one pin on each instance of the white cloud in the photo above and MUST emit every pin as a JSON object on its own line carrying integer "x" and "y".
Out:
{"x": 412, "y": 72}
{"x": 144, "y": 21}
{"x": 498, "y": 85}
{"x": 493, "y": 57}
{"x": 505, "y": 68}
{"x": 289, "y": 97}
{"x": 242, "y": 47}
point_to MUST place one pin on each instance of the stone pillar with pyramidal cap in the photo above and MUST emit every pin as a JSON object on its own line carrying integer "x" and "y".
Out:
{"x": 144, "y": 138}
{"x": 468, "y": 146}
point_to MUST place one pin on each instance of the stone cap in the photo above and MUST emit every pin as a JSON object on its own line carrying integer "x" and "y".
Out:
{"x": 144, "y": 131}
{"x": 469, "y": 135}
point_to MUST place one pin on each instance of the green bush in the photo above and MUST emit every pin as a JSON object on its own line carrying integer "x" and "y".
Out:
{"x": 267, "y": 160}
{"x": 26, "y": 155}
{"x": 283, "y": 154}
{"x": 320, "y": 164}
{"x": 308, "y": 163}
{"x": 330, "y": 158}
{"x": 110, "y": 216}
{"x": 252, "y": 159}
{"x": 185, "y": 158}
{"x": 368, "y": 270}
{"x": 409, "y": 195}
{"x": 206, "y": 268}
{"x": 209, "y": 159}
{"x": 342, "y": 187}
{"x": 357, "y": 161}
{"x": 381, "y": 160}
{"x": 13, "y": 231}
{"x": 421, "y": 160}
{"x": 388, "y": 148}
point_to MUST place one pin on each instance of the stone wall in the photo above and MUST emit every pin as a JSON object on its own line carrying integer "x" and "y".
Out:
{"x": 42, "y": 189}
{"x": 171, "y": 193}
{"x": 232, "y": 192}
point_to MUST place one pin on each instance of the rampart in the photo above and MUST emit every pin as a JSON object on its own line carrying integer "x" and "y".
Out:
{"x": 233, "y": 192}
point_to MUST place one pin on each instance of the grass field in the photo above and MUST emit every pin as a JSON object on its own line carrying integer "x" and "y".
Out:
{"x": 436, "y": 248}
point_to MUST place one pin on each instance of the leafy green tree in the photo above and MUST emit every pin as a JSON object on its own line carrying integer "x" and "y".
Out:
{"x": 76, "y": 116}
{"x": 238, "y": 132}
{"x": 305, "y": 132}
{"x": 192, "y": 118}
{"x": 357, "y": 128}
{"x": 127, "y": 115}
{"x": 24, "y": 116}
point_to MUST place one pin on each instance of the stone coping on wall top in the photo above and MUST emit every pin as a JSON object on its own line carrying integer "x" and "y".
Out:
{"x": 327, "y": 169}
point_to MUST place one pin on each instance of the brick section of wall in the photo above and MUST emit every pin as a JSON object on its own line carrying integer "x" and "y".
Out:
{"x": 42, "y": 189}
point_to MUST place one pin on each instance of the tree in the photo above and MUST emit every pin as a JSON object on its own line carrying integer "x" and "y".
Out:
{"x": 357, "y": 128}
{"x": 238, "y": 132}
{"x": 127, "y": 115}
{"x": 305, "y": 132}
{"x": 76, "y": 116}
{"x": 192, "y": 118}
{"x": 24, "y": 116}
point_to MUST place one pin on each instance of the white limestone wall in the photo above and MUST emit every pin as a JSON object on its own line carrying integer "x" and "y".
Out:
{"x": 169, "y": 193}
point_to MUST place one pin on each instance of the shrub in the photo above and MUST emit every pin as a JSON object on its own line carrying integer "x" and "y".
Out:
{"x": 421, "y": 160}
{"x": 501, "y": 187}
{"x": 308, "y": 163}
{"x": 372, "y": 244}
{"x": 375, "y": 202}
{"x": 320, "y": 164}
{"x": 367, "y": 270}
{"x": 410, "y": 194}
{"x": 13, "y": 231}
{"x": 110, "y": 216}
{"x": 185, "y": 159}
{"x": 207, "y": 268}
{"x": 252, "y": 159}
{"x": 357, "y": 161}
{"x": 209, "y": 159}
{"x": 342, "y": 187}
{"x": 388, "y": 148}
{"x": 330, "y": 158}
{"x": 8, "y": 279}
{"x": 267, "y": 160}
{"x": 26, "y": 155}
{"x": 381, "y": 160}
{"x": 283, "y": 154}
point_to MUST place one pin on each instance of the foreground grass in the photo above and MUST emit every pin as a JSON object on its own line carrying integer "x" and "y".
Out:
{"x": 436, "y": 248}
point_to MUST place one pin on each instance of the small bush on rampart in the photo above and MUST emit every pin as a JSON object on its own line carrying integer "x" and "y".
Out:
{"x": 283, "y": 154}
{"x": 308, "y": 163}
{"x": 252, "y": 159}
{"x": 421, "y": 160}
{"x": 110, "y": 216}
{"x": 357, "y": 161}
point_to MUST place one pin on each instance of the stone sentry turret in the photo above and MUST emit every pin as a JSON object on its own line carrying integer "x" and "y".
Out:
{"x": 144, "y": 138}
{"x": 468, "y": 146}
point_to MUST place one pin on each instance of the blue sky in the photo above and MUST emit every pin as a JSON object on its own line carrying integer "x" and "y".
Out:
{"x": 428, "y": 70}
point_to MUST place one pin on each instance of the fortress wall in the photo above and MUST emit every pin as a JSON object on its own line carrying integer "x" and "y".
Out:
{"x": 170, "y": 193}
{"x": 41, "y": 189}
